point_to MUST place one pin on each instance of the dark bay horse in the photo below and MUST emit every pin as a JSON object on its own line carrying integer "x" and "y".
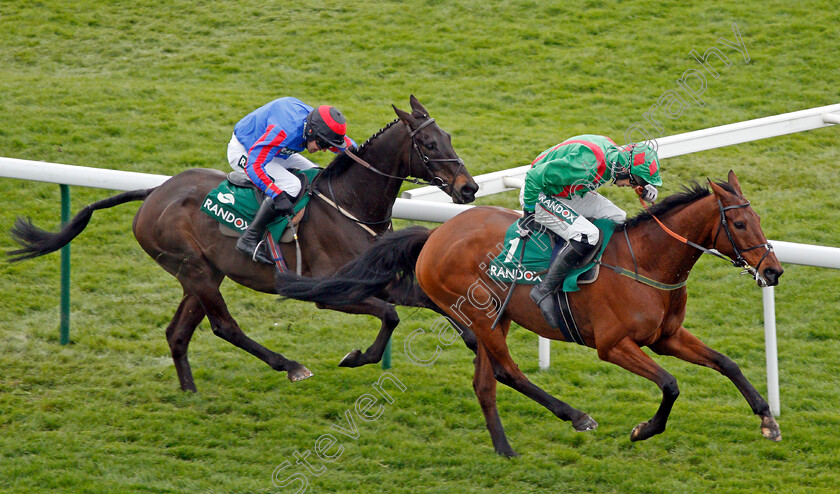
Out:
{"x": 188, "y": 244}
{"x": 617, "y": 315}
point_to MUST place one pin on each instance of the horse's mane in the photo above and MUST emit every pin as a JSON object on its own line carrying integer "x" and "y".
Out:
{"x": 341, "y": 162}
{"x": 691, "y": 192}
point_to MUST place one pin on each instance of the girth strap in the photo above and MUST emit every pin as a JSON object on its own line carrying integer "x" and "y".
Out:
{"x": 568, "y": 326}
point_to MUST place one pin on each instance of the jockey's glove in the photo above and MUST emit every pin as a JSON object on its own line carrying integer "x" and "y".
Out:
{"x": 283, "y": 205}
{"x": 648, "y": 193}
{"x": 529, "y": 222}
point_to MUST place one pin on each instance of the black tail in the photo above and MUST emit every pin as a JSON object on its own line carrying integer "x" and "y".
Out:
{"x": 36, "y": 242}
{"x": 390, "y": 261}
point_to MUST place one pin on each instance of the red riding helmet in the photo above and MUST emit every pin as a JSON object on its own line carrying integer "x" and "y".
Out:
{"x": 327, "y": 124}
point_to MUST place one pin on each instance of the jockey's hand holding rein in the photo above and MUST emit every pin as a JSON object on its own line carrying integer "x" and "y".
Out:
{"x": 647, "y": 192}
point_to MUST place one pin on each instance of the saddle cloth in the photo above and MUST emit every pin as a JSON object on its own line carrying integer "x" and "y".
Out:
{"x": 234, "y": 206}
{"x": 538, "y": 255}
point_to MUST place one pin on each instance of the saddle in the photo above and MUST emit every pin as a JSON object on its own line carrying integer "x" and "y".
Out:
{"x": 235, "y": 201}
{"x": 526, "y": 261}
{"x": 240, "y": 179}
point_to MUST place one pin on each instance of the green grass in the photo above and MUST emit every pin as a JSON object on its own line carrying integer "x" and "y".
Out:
{"x": 156, "y": 87}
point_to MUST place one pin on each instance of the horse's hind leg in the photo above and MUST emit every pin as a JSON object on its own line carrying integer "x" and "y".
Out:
{"x": 178, "y": 334}
{"x": 627, "y": 354}
{"x": 383, "y": 311}
{"x": 484, "y": 384}
{"x": 225, "y": 327}
{"x": 688, "y": 347}
{"x": 507, "y": 372}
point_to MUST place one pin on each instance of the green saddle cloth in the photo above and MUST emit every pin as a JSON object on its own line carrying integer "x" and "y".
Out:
{"x": 537, "y": 257}
{"x": 235, "y": 206}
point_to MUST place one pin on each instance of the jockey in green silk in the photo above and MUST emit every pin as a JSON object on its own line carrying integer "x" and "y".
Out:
{"x": 560, "y": 194}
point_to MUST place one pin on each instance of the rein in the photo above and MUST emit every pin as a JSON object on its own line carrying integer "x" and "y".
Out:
{"x": 739, "y": 261}
{"x": 436, "y": 181}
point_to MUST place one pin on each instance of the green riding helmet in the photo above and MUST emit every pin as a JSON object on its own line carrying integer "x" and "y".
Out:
{"x": 641, "y": 161}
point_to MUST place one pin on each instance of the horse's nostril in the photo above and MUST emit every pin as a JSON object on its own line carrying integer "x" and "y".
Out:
{"x": 771, "y": 275}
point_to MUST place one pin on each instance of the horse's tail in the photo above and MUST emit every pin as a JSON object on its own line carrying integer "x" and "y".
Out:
{"x": 36, "y": 242}
{"x": 390, "y": 261}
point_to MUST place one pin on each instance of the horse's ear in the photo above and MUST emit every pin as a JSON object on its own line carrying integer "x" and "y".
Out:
{"x": 717, "y": 189}
{"x": 405, "y": 117}
{"x": 733, "y": 181}
{"x": 416, "y": 106}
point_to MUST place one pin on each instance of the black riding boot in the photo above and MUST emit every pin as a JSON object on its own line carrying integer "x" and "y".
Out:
{"x": 570, "y": 257}
{"x": 249, "y": 240}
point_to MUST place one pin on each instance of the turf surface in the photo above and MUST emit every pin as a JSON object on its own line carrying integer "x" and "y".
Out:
{"x": 156, "y": 87}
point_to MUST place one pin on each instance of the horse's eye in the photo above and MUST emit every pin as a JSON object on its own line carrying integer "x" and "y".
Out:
{"x": 740, "y": 225}
{"x": 431, "y": 146}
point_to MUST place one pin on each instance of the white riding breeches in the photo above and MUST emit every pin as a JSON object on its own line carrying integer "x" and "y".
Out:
{"x": 276, "y": 169}
{"x": 568, "y": 217}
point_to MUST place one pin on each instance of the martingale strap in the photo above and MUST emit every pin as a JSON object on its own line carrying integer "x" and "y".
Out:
{"x": 635, "y": 273}
{"x": 644, "y": 279}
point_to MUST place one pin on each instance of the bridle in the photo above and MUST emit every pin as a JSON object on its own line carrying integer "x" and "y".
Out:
{"x": 426, "y": 161}
{"x": 436, "y": 181}
{"x": 738, "y": 261}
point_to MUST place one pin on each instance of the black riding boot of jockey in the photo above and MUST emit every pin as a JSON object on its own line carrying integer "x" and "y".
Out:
{"x": 570, "y": 257}
{"x": 269, "y": 210}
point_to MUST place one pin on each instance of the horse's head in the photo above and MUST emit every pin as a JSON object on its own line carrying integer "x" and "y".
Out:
{"x": 739, "y": 235}
{"x": 432, "y": 157}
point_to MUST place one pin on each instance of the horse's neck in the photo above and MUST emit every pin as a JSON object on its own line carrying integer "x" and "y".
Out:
{"x": 658, "y": 252}
{"x": 367, "y": 194}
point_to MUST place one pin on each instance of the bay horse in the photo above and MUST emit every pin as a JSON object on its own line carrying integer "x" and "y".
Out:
{"x": 616, "y": 315}
{"x": 351, "y": 206}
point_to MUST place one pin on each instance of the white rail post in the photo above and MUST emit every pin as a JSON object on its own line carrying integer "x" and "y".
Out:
{"x": 545, "y": 353}
{"x": 770, "y": 349}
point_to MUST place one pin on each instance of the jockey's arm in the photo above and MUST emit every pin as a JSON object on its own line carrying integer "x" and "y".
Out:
{"x": 533, "y": 187}
{"x": 261, "y": 153}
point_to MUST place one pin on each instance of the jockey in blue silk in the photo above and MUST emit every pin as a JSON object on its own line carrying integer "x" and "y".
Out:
{"x": 266, "y": 143}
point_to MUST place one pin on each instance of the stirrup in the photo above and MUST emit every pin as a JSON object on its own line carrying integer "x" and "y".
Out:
{"x": 257, "y": 249}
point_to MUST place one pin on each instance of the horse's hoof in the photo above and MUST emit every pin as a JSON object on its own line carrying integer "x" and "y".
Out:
{"x": 637, "y": 434}
{"x": 585, "y": 423}
{"x": 770, "y": 429}
{"x": 508, "y": 453}
{"x": 351, "y": 359}
{"x": 299, "y": 374}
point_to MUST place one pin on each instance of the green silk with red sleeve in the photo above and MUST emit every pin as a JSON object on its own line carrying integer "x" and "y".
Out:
{"x": 573, "y": 167}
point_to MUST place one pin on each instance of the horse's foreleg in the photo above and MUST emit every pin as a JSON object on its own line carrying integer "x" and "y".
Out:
{"x": 628, "y": 355}
{"x": 484, "y": 384}
{"x": 383, "y": 311}
{"x": 225, "y": 327}
{"x": 178, "y": 334}
{"x": 508, "y": 373}
{"x": 688, "y": 347}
